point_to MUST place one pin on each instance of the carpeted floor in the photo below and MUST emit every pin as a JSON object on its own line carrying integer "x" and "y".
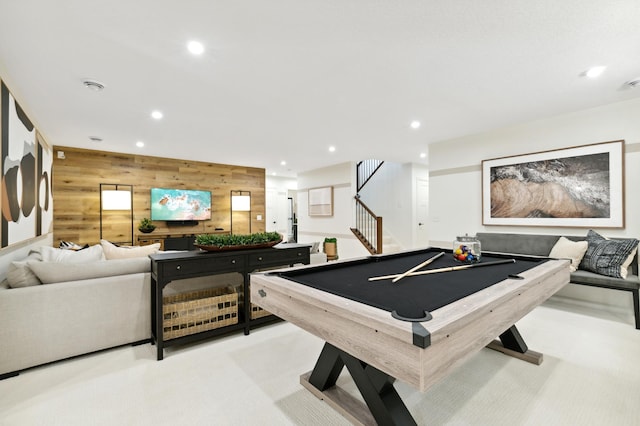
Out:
{"x": 590, "y": 376}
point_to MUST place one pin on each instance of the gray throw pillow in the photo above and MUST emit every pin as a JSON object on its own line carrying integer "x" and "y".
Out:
{"x": 20, "y": 275}
{"x": 54, "y": 272}
{"x": 606, "y": 257}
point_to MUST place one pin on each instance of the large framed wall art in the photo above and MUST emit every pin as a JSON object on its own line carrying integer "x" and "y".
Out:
{"x": 581, "y": 186}
{"x": 26, "y": 200}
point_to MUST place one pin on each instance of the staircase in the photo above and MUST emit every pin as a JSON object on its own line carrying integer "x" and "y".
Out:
{"x": 368, "y": 227}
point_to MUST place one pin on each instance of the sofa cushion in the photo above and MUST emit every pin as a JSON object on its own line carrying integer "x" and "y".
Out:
{"x": 54, "y": 272}
{"x": 567, "y": 249}
{"x": 608, "y": 257}
{"x": 112, "y": 251}
{"x": 91, "y": 254}
{"x": 20, "y": 275}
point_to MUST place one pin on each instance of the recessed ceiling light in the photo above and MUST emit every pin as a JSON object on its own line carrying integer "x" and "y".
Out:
{"x": 283, "y": 163}
{"x": 157, "y": 115}
{"x": 195, "y": 47}
{"x": 139, "y": 144}
{"x": 96, "y": 86}
{"x": 423, "y": 155}
{"x": 332, "y": 149}
{"x": 595, "y": 71}
{"x": 415, "y": 124}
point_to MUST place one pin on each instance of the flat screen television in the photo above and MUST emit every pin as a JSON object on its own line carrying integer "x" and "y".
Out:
{"x": 180, "y": 204}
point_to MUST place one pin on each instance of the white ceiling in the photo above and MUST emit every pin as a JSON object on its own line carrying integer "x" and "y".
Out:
{"x": 285, "y": 79}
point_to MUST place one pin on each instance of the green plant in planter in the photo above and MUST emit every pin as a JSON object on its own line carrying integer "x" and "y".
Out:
{"x": 146, "y": 225}
{"x": 330, "y": 247}
{"x": 218, "y": 240}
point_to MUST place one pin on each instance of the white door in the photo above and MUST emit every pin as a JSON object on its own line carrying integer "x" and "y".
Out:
{"x": 271, "y": 208}
{"x": 276, "y": 211}
{"x": 422, "y": 213}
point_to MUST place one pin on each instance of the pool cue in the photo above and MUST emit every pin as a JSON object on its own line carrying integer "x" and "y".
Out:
{"x": 415, "y": 268}
{"x": 447, "y": 269}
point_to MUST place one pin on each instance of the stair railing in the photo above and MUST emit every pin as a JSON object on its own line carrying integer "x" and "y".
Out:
{"x": 368, "y": 227}
{"x": 364, "y": 170}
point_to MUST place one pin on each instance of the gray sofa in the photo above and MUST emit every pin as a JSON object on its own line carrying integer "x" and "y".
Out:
{"x": 541, "y": 245}
{"x": 107, "y": 305}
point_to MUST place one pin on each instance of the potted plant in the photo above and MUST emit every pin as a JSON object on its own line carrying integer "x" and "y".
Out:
{"x": 218, "y": 242}
{"x": 146, "y": 225}
{"x": 331, "y": 248}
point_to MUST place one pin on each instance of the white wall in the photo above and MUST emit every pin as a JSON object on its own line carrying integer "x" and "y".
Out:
{"x": 456, "y": 178}
{"x": 315, "y": 228}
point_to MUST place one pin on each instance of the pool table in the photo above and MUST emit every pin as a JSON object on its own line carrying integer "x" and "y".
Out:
{"x": 416, "y": 330}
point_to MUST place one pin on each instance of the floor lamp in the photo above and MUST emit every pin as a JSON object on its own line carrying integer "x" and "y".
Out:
{"x": 116, "y": 197}
{"x": 241, "y": 202}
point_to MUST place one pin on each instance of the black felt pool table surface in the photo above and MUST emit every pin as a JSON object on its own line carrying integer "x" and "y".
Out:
{"x": 412, "y": 295}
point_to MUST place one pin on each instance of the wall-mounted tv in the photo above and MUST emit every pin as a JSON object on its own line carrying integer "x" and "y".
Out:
{"x": 180, "y": 204}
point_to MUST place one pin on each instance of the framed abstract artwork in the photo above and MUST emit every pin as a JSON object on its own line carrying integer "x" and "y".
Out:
{"x": 321, "y": 201}
{"x": 581, "y": 186}
{"x": 25, "y": 169}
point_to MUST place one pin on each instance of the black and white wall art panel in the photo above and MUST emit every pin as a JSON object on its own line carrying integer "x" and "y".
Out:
{"x": 25, "y": 161}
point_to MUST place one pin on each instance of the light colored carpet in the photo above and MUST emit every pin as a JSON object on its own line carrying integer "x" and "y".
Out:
{"x": 590, "y": 376}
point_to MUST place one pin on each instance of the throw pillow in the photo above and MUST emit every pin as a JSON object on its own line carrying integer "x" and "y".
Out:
{"x": 608, "y": 257}
{"x": 567, "y": 249}
{"x": 112, "y": 251}
{"x": 56, "y": 272}
{"x": 91, "y": 254}
{"x": 20, "y": 275}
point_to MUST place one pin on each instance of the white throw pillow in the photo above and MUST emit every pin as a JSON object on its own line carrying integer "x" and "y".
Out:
{"x": 114, "y": 252}
{"x": 567, "y": 249}
{"x": 56, "y": 272}
{"x": 20, "y": 275}
{"x": 91, "y": 254}
{"x": 624, "y": 268}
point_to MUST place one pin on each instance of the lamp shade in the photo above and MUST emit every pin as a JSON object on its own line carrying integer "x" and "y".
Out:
{"x": 116, "y": 200}
{"x": 241, "y": 203}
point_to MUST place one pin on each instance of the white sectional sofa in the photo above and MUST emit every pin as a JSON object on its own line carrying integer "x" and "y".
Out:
{"x": 90, "y": 306}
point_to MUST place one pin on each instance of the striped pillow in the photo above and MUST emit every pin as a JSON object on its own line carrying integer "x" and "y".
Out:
{"x": 608, "y": 257}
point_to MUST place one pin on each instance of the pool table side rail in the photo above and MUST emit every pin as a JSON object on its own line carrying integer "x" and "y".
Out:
{"x": 458, "y": 330}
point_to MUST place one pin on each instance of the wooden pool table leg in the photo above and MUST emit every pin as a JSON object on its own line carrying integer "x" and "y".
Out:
{"x": 513, "y": 345}
{"x": 375, "y": 386}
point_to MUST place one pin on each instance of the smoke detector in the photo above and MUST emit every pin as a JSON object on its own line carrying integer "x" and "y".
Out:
{"x": 633, "y": 83}
{"x": 96, "y": 86}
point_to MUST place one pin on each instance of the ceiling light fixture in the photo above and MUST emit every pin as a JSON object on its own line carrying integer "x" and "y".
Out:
{"x": 139, "y": 144}
{"x": 96, "y": 86}
{"x": 157, "y": 115}
{"x": 332, "y": 149}
{"x": 195, "y": 47}
{"x": 415, "y": 124}
{"x": 283, "y": 163}
{"x": 594, "y": 72}
{"x": 633, "y": 83}
{"x": 423, "y": 155}
{"x": 95, "y": 139}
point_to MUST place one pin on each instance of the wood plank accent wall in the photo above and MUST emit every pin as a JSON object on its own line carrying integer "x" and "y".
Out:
{"x": 76, "y": 193}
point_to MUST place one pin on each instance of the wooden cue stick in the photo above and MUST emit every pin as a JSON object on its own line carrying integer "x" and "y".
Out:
{"x": 415, "y": 268}
{"x": 447, "y": 269}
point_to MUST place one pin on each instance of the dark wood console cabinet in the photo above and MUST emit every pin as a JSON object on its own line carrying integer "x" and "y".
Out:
{"x": 167, "y": 267}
